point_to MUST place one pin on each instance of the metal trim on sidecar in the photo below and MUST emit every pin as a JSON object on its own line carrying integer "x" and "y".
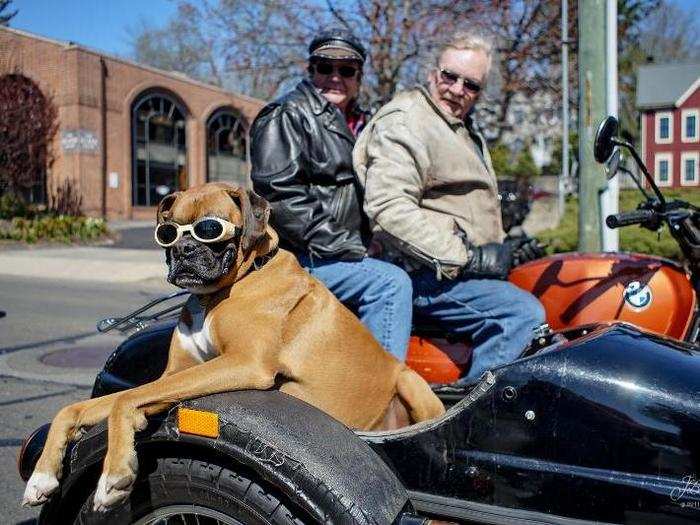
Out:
{"x": 488, "y": 514}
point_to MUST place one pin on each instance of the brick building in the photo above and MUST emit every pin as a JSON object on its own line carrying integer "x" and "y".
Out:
{"x": 128, "y": 133}
{"x": 668, "y": 97}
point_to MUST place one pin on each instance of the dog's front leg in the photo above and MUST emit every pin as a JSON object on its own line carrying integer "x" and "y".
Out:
{"x": 65, "y": 427}
{"x": 222, "y": 374}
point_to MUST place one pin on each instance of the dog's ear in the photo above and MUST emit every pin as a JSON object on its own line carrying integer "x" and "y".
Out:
{"x": 256, "y": 213}
{"x": 163, "y": 213}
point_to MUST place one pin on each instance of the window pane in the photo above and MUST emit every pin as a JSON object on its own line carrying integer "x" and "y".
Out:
{"x": 141, "y": 199}
{"x": 689, "y": 169}
{"x": 226, "y": 148}
{"x": 663, "y": 128}
{"x": 663, "y": 170}
{"x": 160, "y": 149}
{"x": 163, "y": 180}
{"x": 690, "y": 124}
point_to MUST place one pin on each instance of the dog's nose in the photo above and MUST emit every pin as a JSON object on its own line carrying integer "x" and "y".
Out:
{"x": 185, "y": 246}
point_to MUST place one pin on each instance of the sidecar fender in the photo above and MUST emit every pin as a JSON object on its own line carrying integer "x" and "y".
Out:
{"x": 315, "y": 461}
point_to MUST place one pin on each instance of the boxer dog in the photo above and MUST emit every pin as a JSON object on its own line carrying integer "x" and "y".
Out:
{"x": 255, "y": 320}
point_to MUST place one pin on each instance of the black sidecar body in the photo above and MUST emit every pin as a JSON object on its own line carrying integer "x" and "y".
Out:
{"x": 594, "y": 424}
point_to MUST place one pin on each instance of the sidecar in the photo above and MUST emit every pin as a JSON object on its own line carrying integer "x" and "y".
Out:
{"x": 594, "y": 424}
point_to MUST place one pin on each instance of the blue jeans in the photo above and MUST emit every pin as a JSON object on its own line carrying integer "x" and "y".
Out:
{"x": 498, "y": 317}
{"x": 378, "y": 292}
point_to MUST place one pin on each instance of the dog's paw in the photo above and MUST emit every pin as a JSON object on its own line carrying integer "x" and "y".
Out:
{"x": 39, "y": 487}
{"x": 111, "y": 490}
{"x": 140, "y": 421}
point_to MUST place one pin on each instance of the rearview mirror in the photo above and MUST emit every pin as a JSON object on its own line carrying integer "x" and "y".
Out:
{"x": 603, "y": 145}
{"x": 613, "y": 165}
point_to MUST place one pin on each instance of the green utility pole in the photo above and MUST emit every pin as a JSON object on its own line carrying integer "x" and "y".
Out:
{"x": 591, "y": 75}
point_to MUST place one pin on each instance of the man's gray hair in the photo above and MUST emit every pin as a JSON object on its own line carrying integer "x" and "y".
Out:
{"x": 463, "y": 40}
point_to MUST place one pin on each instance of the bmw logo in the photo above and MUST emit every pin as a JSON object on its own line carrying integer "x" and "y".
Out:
{"x": 637, "y": 296}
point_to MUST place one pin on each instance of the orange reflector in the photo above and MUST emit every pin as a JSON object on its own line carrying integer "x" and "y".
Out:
{"x": 198, "y": 422}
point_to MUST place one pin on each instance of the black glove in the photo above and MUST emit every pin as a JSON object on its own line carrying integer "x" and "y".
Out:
{"x": 525, "y": 249}
{"x": 491, "y": 260}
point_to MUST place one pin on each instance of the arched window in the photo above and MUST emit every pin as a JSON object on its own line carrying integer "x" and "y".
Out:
{"x": 226, "y": 149}
{"x": 159, "y": 148}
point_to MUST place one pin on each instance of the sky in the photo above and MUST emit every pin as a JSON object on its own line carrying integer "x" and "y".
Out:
{"x": 98, "y": 24}
{"x": 105, "y": 24}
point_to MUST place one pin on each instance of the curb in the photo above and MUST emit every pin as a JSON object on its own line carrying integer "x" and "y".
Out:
{"x": 85, "y": 264}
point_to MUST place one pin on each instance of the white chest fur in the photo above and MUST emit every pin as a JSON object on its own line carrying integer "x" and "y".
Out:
{"x": 195, "y": 339}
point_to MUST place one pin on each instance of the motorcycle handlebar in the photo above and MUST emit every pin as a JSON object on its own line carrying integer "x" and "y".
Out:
{"x": 626, "y": 218}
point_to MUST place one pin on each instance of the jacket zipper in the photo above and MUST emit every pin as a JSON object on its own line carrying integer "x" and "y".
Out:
{"x": 335, "y": 203}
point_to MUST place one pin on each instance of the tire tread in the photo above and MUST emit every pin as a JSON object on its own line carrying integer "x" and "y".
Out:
{"x": 172, "y": 475}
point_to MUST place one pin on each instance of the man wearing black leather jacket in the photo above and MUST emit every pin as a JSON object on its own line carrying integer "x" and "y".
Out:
{"x": 301, "y": 153}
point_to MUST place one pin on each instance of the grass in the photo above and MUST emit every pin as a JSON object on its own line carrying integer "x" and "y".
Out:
{"x": 564, "y": 238}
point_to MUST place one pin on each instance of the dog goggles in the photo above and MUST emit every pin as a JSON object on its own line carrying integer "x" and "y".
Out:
{"x": 206, "y": 229}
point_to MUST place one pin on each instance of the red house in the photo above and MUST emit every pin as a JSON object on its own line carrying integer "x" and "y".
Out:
{"x": 668, "y": 97}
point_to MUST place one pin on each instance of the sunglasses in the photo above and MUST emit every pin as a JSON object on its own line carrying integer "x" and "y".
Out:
{"x": 326, "y": 68}
{"x": 206, "y": 229}
{"x": 450, "y": 78}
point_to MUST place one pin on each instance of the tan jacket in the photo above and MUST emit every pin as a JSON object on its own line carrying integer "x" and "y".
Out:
{"x": 427, "y": 182}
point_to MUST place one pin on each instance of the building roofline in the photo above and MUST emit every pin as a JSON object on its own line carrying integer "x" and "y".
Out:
{"x": 669, "y": 64}
{"x": 22, "y": 32}
{"x": 688, "y": 92}
{"x": 647, "y": 107}
{"x": 175, "y": 75}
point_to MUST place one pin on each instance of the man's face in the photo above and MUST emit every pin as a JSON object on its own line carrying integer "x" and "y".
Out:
{"x": 335, "y": 81}
{"x": 454, "y": 97}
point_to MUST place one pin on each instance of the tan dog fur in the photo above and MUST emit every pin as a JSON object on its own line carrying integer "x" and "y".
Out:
{"x": 275, "y": 326}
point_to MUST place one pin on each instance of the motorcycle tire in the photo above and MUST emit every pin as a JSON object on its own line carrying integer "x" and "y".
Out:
{"x": 183, "y": 490}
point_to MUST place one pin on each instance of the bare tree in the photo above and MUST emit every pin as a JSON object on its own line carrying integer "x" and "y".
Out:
{"x": 529, "y": 65}
{"x": 5, "y": 14}
{"x": 264, "y": 43}
{"x": 250, "y": 47}
{"x": 670, "y": 35}
{"x": 650, "y": 30}
{"x": 528, "y": 39}
{"x": 401, "y": 36}
{"x": 259, "y": 48}
{"x": 179, "y": 46}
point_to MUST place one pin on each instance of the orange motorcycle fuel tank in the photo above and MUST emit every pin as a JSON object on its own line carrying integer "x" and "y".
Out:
{"x": 576, "y": 289}
{"x": 580, "y": 288}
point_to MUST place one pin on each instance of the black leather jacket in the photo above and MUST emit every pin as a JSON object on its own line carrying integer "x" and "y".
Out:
{"x": 301, "y": 155}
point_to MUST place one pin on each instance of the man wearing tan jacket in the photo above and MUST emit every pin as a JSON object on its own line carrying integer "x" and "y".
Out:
{"x": 432, "y": 199}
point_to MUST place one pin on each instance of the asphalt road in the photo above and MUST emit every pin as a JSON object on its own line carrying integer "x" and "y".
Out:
{"x": 54, "y": 320}
{"x": 136, "y": 238}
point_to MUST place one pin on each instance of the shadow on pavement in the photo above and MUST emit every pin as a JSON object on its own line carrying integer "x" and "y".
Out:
{"x": 47, "y": 342}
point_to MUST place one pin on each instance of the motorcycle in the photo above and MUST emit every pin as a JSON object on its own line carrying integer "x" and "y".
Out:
{"x": 594, "y": 423}
{"x": 653, "y": 293}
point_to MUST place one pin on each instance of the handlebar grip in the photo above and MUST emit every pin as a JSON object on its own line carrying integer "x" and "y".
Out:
{"x": 626, "y": 218}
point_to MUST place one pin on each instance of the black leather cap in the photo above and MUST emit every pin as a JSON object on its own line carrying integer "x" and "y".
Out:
{"x": 336, "y": 44}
